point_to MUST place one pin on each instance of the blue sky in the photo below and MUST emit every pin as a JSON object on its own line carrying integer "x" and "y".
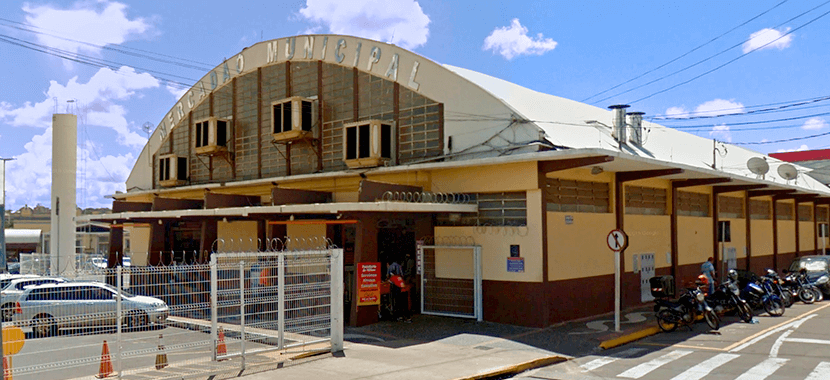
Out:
{"x": 775, "y": 53}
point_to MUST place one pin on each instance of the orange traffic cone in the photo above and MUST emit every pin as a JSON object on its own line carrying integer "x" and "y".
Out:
{"x": 106, "y": 362}
{"x": 161, "y": 357}
{"x": 7, "y": 369}
{"x": 221, "y": 348}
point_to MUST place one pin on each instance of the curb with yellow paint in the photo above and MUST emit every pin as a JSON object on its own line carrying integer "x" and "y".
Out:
{"x": 517, "y": 368}
{"x": 628, "y": 338}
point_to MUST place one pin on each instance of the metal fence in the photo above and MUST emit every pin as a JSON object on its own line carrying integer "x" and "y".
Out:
{"x": 240, "y": 311}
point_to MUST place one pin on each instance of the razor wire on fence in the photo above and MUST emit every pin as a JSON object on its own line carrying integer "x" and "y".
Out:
{"x": 426, "y": 197}
{"x": 241, "y": 309}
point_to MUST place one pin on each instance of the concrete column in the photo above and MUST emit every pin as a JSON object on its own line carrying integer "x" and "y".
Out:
{"x": 64, "y": 167}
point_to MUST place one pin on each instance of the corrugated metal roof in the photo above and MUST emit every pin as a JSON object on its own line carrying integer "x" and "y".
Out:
{"x": 566, "y": 123}
{"x": 22, "y": 236}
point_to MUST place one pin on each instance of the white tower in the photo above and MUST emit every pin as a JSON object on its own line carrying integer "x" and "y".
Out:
{"x": 64, "y": 156}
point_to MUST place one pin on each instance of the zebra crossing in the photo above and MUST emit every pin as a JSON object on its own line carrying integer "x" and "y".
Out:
{"x": 697, "y": 365}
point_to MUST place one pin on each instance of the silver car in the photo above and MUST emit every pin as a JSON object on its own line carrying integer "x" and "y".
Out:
{"x": 12, "y": 291}
{"x": 49, "y": 308}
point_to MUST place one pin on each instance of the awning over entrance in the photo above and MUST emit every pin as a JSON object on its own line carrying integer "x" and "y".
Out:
{"x": 319, "y": 208}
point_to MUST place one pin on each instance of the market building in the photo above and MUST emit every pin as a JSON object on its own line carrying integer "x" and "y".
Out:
{"x": 383, "y": 151}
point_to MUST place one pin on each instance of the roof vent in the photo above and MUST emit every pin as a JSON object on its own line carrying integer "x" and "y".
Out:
{"x": 618, "y": 130}
{"x": 637, "y": 135}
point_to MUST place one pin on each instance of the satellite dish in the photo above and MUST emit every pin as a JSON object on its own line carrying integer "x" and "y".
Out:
{"x": 758, "y": 165}
{"x": 787, "y": 171}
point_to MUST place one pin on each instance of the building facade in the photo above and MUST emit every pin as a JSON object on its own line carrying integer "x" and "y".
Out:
{"x": 382, "y": 151}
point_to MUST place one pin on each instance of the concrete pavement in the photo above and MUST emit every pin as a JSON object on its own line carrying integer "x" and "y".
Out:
{"x": 448, "y": 348}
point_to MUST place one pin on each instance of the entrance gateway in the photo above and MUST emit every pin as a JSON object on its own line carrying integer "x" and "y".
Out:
{"x": 451, "y": 280}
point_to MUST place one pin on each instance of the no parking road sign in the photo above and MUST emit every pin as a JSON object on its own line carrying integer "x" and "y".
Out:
{"x": 617, "y": 240}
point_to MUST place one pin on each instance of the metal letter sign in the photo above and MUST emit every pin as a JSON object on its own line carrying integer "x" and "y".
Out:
{"x": 617, "y": 240}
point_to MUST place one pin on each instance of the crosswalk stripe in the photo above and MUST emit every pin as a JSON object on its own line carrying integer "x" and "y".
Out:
{"x": 763, "y": 369}
{"x": 643, "y": 369}
{"x": 822, "y": 372}
{"x": 596, "y": 363}
{"x": 703, "y": 368}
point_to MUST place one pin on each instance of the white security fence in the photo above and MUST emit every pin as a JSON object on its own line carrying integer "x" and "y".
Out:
{"x": 241, "y": 310}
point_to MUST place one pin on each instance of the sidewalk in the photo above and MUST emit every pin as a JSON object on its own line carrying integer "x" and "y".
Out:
{"x": 448, "y": 348}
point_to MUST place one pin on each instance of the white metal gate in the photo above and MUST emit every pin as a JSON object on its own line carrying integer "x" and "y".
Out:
{"x": 451, "y": 290}
{"x": 646, "y": 272}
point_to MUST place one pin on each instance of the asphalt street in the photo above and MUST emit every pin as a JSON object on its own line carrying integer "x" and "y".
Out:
{"x": 793, "y": 346}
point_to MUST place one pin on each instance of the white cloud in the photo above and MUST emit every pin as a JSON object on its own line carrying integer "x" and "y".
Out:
{"x": 511, "y": 41}
{"x": 718, "y": 107}
{"x": 401, "y": 22}
{"x": 96, "y": 23}
{"x": 799, "y": 149}
{"x": 177, "y": 92}
{"x": 29, "y": 176}
{"x": 721, "y": 133}
{"x": 677, "y": 112}
{"x": 768, "y": 38}
{"x": 95, "y": 99}
{"x": 814, "y": 123}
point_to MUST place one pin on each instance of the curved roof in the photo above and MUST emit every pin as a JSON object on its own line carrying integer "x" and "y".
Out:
{"x": 573, "y": 124}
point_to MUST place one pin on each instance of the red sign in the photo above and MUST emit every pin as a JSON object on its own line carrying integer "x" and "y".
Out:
{"x": 368, "y": 284}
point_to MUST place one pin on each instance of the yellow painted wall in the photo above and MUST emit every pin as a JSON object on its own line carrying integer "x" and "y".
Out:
{"x": 237, "y": 236}
{"x": 495, "y": 245}
{"x": 738, "y": 234}
{"x": 761, "y": 237}
{"x": 580, "y": 249}
{"x": 694, "y": 239}
{"x": 647, "y": 234}
{"x": 139, "y": 244}
{"x": 786, "y": 236}
{"x": 510, "y": 177}
{"x": 806, "y": 236}
{"x": 310, "y": 232}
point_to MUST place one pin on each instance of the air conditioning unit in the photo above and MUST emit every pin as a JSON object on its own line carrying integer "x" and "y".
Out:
{"x": 172, "y": 170}
{"x": 293, "y": 118}
{"x": 368, "y": 143}
{"x": 212, "y": 136}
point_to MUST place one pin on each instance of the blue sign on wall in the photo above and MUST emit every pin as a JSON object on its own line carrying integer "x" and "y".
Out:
{"x": 515, "y": 264}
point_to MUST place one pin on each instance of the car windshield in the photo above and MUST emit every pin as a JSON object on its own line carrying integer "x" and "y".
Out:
{"x": 811, "y": 264}
{"x": 114, "y": 290}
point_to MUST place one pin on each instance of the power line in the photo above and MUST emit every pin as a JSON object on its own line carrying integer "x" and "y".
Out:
{"x": 783, "y": 140}
{"x": 713, "y": 56}
{"x": 686, "y": 53}
{"x": 738, "y": 57}
{"x": 723, "y": 112}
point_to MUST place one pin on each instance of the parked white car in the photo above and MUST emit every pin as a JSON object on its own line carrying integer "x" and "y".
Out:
{"x": 49, "y": 308}
{"x": 11, "y": 292}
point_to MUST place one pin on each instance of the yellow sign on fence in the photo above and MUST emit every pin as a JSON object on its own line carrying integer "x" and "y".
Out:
{"x": 13, "y": 339}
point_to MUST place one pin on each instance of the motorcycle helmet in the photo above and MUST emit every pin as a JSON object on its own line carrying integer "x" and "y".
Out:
{"x": 732, "y": 274}
{"x": 702, "y": 280}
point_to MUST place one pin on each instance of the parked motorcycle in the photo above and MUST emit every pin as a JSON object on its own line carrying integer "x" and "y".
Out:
{"x": 758, "y": 296}
{"x": 802, "y": 288}
{"x": 727, "y": 297}
{"x": 774, "y": 282}
{"x": 682, "y": 312}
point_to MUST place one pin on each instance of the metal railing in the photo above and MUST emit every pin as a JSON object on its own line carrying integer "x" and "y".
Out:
{"x": 242, "y": 309}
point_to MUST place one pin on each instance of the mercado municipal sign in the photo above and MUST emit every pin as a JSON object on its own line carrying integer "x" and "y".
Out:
{"x": 380, "y": 59}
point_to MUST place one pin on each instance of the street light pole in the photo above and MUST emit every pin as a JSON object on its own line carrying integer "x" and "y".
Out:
{"x": 3, "y": 264}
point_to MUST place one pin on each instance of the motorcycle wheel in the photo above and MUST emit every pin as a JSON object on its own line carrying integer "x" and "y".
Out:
{"x": 819, "y": 294}
{"x": 774, "y": 307}
{"x": 787, "y": 298}
{"x": 666, "y": 320}
{"x": 745, "y": 312}
{"x": 806, "y": 295}
{"x": 711, "y": 319}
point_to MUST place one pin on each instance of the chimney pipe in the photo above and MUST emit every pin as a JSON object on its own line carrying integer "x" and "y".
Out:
{"x": 637, "y": 132}
{"x": 619, "y": 122}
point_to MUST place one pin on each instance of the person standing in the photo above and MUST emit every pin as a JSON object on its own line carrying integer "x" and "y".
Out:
{"x": 708, "y": 269}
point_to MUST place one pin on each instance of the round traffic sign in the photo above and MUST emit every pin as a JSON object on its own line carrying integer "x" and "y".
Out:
{"x": 617, "y": 240}
{"x": 13, "y": 339}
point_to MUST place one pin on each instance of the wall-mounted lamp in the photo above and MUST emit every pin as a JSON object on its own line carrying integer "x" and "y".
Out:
{"x": 597, "y": 170}
{"x": 160, "y": 222}
{"x": 225, "y": 220}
